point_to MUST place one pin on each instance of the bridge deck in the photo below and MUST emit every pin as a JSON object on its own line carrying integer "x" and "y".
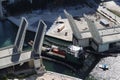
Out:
{"x": 6, "y": 58}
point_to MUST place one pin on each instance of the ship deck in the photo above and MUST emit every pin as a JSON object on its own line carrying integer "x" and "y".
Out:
{"x": 53, "y": 31}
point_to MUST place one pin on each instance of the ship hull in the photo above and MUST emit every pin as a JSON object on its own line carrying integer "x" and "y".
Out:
{"x": 68, "y": 58}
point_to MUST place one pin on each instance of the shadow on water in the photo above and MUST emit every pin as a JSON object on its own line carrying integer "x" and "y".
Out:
{"x": 25, "y": 5}
{"x": 86, "y": 73}
{"x": 59, "y": 68}
{"x": 7, "y": 34}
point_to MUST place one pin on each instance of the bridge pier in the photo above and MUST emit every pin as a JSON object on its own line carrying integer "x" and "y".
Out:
{"x": 37, "y": 46}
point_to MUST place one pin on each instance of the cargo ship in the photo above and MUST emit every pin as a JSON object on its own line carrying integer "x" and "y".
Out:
{"x": 73, "y": 55}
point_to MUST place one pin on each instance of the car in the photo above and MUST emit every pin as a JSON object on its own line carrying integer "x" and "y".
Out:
{"x": 104, "y": 66}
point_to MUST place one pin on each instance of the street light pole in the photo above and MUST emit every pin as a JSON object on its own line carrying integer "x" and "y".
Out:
{"x": 1, "y": 11}
{"x": 31, "y": 5}
{"x": 102, "y": 2}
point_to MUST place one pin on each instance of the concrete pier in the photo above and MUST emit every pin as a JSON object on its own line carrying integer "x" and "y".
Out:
{"x": 19, "y": 41}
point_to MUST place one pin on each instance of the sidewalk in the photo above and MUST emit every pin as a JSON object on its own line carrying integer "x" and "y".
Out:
{"x": 52, "y": 76}
{"x": 113, "y": 72}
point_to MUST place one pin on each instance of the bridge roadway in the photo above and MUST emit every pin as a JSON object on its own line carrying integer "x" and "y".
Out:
{"x": 6, "y": 56}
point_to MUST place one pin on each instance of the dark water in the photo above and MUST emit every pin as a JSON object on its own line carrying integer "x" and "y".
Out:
{"x": 8, "y": 33}
{"x": 53, "y": 66}
{"x": 22, "y": 6}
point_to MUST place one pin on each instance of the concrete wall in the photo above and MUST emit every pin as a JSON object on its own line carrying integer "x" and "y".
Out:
{"x": 31, "y": 64}
{"x": 84, "y": 42}
{"x": 81, "y": 42}
{"x": 99, "y": 47}
{"x": 94, "y": 45}
{"x": 103, "y": 47}
{"x": 75, "y": 41}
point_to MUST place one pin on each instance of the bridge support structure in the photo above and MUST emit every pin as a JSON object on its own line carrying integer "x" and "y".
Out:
{"x": 37, "y": 46}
